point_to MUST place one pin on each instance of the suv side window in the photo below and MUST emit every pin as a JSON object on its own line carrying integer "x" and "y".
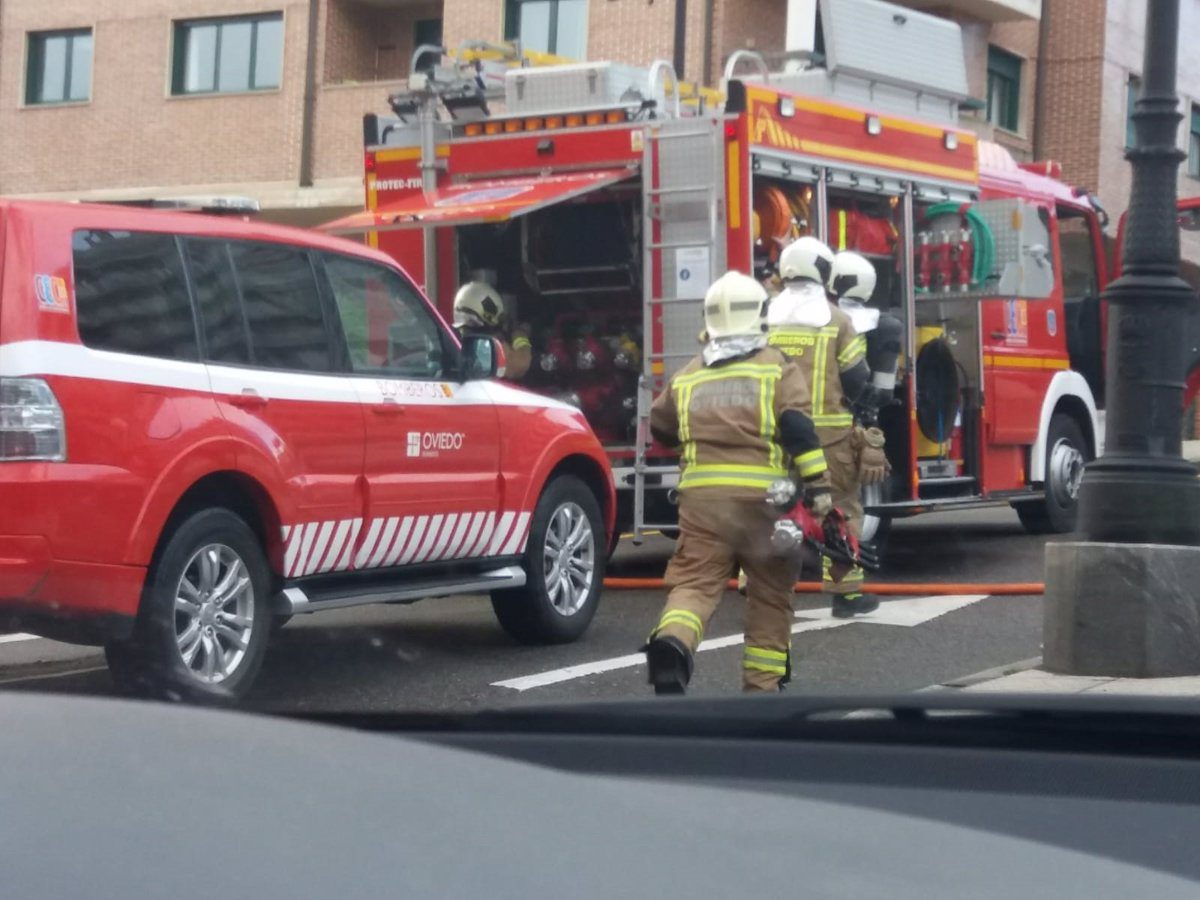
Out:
{"x": 388, "y": 328}
{"x": 226, "y": 337}
{"x": 282, "y": 306}
{"x": 131, "y": 295}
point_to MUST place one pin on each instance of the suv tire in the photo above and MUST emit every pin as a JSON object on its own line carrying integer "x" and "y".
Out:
{"x": 564, "y": 563}
{"x": 205, "y": 615}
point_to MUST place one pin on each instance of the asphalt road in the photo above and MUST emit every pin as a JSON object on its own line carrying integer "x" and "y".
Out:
{"x": 450, "y": 653}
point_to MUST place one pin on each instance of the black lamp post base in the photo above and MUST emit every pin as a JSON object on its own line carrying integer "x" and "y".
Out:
{"x": 1142, "y": 500}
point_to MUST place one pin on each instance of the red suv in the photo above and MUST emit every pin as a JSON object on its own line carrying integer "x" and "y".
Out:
{"x": 208, "y": 426}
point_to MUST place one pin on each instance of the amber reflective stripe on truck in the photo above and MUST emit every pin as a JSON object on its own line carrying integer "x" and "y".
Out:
{"x": 1004, "y": 361}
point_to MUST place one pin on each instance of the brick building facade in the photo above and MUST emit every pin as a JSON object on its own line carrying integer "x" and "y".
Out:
{"x": 292, "y": 139}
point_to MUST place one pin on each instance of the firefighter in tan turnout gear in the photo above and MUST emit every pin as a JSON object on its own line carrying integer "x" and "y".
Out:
{"x": 736, "y": 412}
{"x": 479, "y": 309}
{"x": 824, "y": 343}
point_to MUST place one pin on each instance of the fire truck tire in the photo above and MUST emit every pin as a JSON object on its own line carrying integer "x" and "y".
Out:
{"x": 205, "y": 618}
{"x": 564, "y": 564}
{"x": 1067, "y": 451}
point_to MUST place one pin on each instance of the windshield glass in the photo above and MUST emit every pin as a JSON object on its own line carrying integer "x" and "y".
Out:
{"x": 824, "y": 379}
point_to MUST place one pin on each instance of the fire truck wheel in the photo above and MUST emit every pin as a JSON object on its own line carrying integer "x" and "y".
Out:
{"x": 564, "y": 563}
{"x": 1067, "y": 452}
{"x": 203, "y": 627}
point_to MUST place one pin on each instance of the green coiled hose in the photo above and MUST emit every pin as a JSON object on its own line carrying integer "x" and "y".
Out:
{"x": 981, "y": 236}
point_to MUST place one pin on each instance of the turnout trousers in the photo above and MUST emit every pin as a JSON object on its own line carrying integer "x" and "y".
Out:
{"x": 842, "y": 457}
{"x": 718, "y": 532}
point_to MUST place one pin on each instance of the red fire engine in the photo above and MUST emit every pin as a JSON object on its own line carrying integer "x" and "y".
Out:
{"x": 601, "y": 201}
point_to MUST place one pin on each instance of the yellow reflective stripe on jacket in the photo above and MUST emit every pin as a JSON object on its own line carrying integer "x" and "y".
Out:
{"x": 760, "y": 659}
{"x": 683, "y": 399}
{"x": 811, "y": 463}
{"x": 818, "y": 377}
{"x": 833, "y": 420}
{"x": 683, "y": 617}
{"x": 852, "y": 352}
{"x": 775, "y": 457}
{"x": 718, "y": 475}
{"x": 733, "y": 370}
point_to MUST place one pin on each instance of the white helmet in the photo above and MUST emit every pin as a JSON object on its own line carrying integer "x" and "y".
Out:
{"x": 852, "y": 278}
{"x": 806, "y": 257}
{"x": 478, "y": 305}
{"x": 735, "y": 304}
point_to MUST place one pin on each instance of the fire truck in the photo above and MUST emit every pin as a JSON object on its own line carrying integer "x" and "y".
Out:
{"x": 601, "y": 200}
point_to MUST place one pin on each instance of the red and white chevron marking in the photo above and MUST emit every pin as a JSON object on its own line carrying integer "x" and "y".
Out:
{"x": 312, "y": 548}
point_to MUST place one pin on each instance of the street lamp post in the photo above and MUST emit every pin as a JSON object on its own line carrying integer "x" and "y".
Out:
{"x": 1141, "y": 489}
{"x": 1126, "y": 600}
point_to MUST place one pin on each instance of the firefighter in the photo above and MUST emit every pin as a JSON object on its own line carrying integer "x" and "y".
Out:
{"x": 823, "y": 341}
{"x": 736, "y": 412}
{"x": 852, "y": 282}
{"x": 479, "y": 309}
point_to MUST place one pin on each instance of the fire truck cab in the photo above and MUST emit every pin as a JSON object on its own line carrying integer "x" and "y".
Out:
{"x": 601, "y": 200}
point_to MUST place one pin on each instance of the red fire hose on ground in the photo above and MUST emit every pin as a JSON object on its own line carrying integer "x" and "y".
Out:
{"x": 930, "y": 588}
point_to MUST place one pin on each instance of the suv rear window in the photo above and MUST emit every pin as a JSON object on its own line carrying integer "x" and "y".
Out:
{"x": 131, "y": 296}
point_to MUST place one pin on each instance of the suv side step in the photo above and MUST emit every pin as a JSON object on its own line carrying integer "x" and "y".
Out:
{"x": 295, "y": 600}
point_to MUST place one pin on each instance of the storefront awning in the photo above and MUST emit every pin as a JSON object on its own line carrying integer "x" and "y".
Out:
{"x": 493, "y": 200}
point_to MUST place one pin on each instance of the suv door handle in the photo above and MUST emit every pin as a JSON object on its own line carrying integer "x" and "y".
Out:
{"x": 249, "y": 398}
{"x": 389, "y": 408}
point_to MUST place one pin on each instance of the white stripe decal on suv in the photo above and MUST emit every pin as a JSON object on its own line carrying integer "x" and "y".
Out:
{"x": 313, "y": 548}
{"x": 414, "y": 540}
{"x": 33, "y": 358}
{"x": 368, "y": 544}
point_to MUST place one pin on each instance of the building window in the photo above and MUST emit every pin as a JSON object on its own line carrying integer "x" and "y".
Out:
{"x": 548, "y": 26}
{"x": 59, "y": 67}
{"x": 228, "y": 55}
{"x": 1003, "y": 89}
{"x": 1133, "y": 90}
{"x": 1194, "y": 143}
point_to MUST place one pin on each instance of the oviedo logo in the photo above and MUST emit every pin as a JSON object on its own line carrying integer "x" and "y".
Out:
{"x": 434, "y": 443}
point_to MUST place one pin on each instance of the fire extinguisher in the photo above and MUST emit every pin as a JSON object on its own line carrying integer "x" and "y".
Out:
{"x": 945, "y": 260}
{"x": 924, "y": 260}
{"x": 966, "y": 259}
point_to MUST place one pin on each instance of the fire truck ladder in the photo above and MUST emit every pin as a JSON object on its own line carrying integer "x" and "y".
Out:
{"x": 683, "y": 247}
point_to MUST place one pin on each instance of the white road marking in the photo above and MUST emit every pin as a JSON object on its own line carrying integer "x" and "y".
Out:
{"x": 21, "y": 679}
{"x": 567, "y": 673}
{"x": 904, "y": 613}
{"x": 14, "y": 638}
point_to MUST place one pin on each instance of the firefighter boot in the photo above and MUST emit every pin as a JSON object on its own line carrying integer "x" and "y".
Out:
{"x": 670, "y": 665}
{"x": 847, "y": 606}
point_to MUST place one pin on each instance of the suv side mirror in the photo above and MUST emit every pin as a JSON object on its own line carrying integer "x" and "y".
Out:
{"x": 482, "y": 357}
